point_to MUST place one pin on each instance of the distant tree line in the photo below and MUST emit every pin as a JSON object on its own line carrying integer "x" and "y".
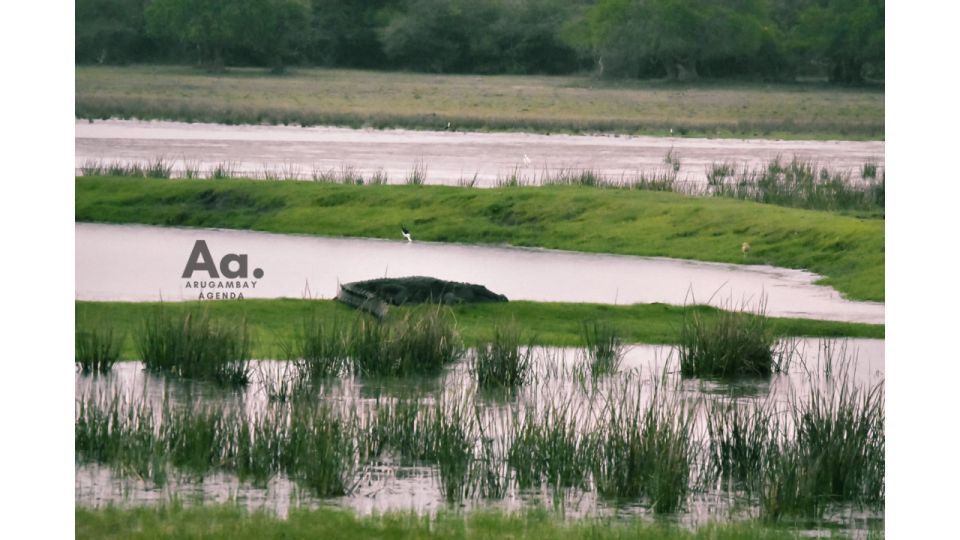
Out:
{"x": 680, "y": 39}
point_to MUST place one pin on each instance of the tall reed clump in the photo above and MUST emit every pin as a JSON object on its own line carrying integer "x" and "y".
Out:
{"x": 418, "y": 174}
{"x": 320, "y": 450}
{"x": 113, "y": 430}
{"x": 452, "y": 437}
{"x": 311, "y": 444}
{"x": 740, "y": 440}
{"x": 96, "y": 350}
{"x": 422, "y": 342}
{"x": 319, "y": 349}
{"x": 645, "y": 449}
{"x": 800, "y": 184}
{"x": 549, "y": 446}
{"x": 505, "y": 362}
{"x": 835, "y": 455}
{"x": 191, "y": 345}
{"x": 728, "y": 343}
{"x": 604, "y": 348}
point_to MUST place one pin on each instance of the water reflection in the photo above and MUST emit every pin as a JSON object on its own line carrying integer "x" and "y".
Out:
{"x": 392, "y": 483}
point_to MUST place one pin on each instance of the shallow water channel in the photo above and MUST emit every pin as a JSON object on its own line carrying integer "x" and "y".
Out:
{"x": 391, "y": 484}
{"x": 448, "y": 156}
{"x": 146, "y": 263}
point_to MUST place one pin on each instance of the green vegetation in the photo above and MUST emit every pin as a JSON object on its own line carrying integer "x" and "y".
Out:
{"x": 307, "y": 442}
{"x": 836, "y": 451}
{"x": 504, "y": 362}
{"x": 420, "y": 341}
{"x": 679, "y": 39}
{"x": 231, "y": 522}
{"x": 847, "y": 250}
{"x": 495, "y": 103}
{"x": 190, "y": 344}
{"x": 97, "y": 349}
{"x": 734, "y": 343}
{"x": 648, "y": 449}
{"x": 604, "y": 348}
{"x": 272, "y": 325}
{"x": 628, "y": 445}
{"x": 551, "y": 446}
{"x": 801, "y": 184}
{"x": 798, "y": 184}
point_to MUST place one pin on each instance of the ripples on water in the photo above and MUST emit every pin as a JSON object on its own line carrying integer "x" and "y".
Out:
{"x": 385, "y": 484}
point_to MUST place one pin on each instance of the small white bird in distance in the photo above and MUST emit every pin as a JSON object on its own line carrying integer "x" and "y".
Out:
{"x": 406, "y": 233}
{"x": 526, "y": 160}
{"x": 745, "y": 248}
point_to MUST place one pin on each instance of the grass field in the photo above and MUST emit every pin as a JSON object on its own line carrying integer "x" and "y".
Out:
{"x": 474, "y": 102}
{"x": 272, "y": 323}
{"x": 849, "y": 251}
{"x": 226, "y": 521}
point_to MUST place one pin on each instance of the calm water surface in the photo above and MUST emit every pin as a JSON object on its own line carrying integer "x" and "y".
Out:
{"x": 448, "y": 156}
{"x": 146, "y": 263}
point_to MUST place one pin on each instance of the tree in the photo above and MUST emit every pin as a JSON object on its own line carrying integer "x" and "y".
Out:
{"x": 846, "y": 33}
{"x": 107, "y": 30}
{"x": 678, "y": 35}
{"x": 209, "y": 25}
{"x": 346, "y": 32}
{"x": 275, "y": 30}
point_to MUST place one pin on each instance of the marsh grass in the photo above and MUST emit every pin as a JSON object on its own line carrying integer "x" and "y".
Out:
{"x": 420, "y": 342}
{"x": 112, "y": 429}
{"x": 801, "y": 184}
{"x": 637, "y": 441}
{"x": 548, "y": 446}
{"x": 320, "y": 450}
{"x": 283, "y": 383}
{"x": 379, "y": 177}
{"x": 310, "y": 443}
{"x": 418, "y": 174}
{"x": 192, "y": 345}
{"x": 504, "y": 362}
{"x": 319, "y": 348}
{"x": 96, "y": 350}
{"x": 717, "y": 173}
{"x": 798, "y": 183}
{"x": 741, "y": 438}
{"x": 646, "y": 448}
{"x": 733, "y": 342}
{"x": 672, "y": 159}
{"x": 512, "y": 179}
{"x": 836, "y": 453}
{"x": 222, "y": 171}
{"x": 604, "y": 349}
{"x": 452, "y": 432}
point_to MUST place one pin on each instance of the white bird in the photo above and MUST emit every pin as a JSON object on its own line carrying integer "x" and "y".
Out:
{"x": 526, "y": 160}
{"x": 406, "y": 233}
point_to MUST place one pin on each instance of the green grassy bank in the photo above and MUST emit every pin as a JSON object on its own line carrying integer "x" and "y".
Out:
{"x": 480, "y": 102}
{"x": 226, "y": 521}
{"x": 848, "y": 250}
{"x": 274, "y": 322}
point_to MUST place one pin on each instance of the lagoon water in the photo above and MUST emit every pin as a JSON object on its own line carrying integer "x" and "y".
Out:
{"x": 448, "y": 156}
{"x": 145, "y": 263}
{"x": 388, "y": 485}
